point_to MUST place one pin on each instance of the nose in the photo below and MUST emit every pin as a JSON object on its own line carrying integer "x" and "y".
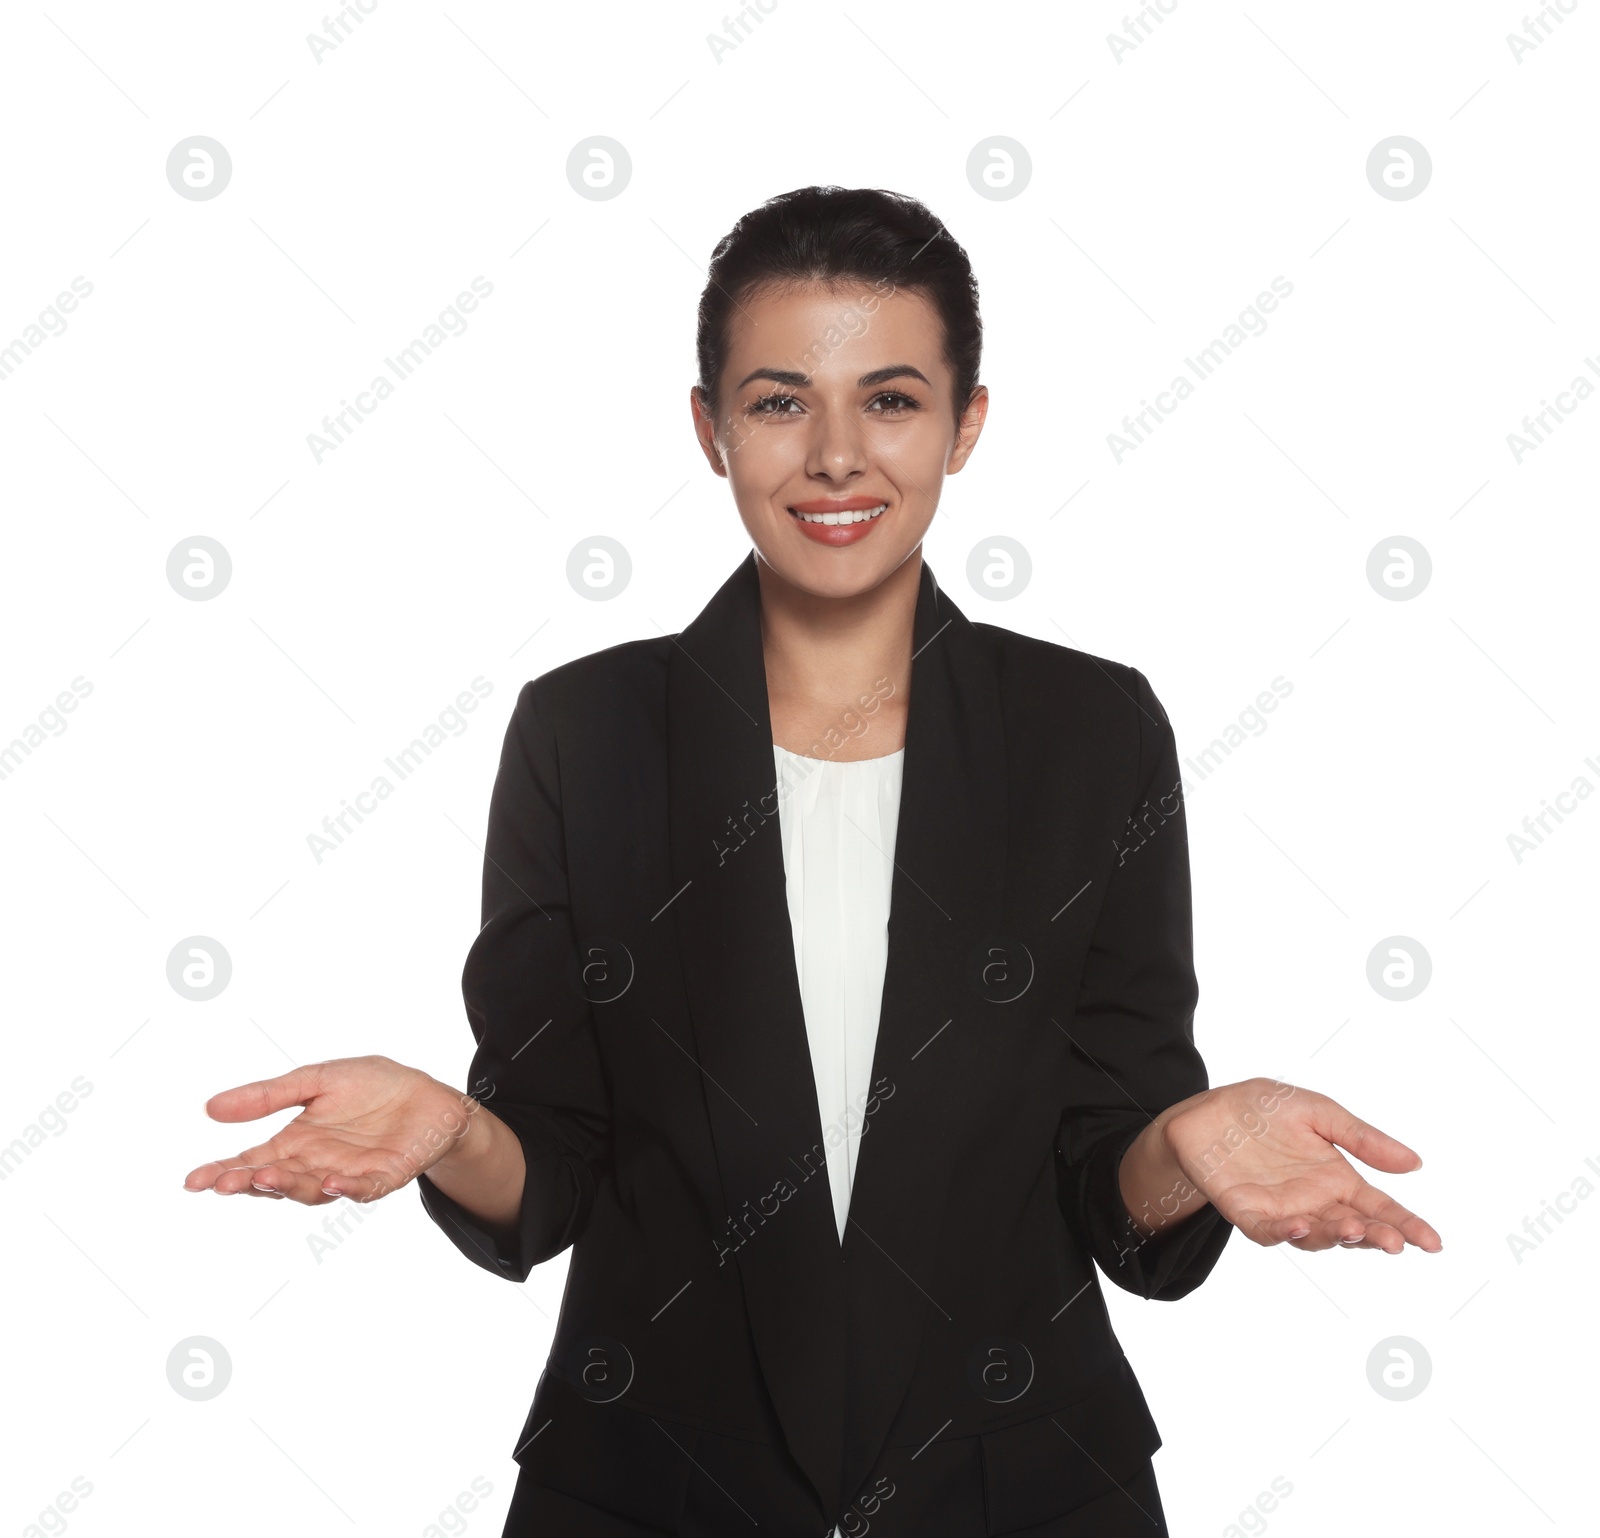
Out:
{"x": 837, "y": 450}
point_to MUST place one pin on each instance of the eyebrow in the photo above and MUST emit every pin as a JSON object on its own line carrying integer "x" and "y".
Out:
{"x": 801, "y": 381}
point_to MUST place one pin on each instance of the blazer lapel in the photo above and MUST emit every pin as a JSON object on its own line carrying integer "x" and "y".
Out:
{"x": 947, "y": 899}
{"x": 737, "y": 952}
{"x": 818, "y": 1312}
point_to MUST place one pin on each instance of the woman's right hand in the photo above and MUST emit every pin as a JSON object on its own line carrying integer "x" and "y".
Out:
{"x": 369, "y": 1126}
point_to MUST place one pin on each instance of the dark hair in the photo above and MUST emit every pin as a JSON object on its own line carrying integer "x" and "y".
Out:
{"x": 833, "y": 235}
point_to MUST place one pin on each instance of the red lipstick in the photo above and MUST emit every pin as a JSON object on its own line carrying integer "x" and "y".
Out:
{"x": 838, "y": 520}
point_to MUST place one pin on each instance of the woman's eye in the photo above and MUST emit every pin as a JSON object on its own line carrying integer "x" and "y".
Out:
{"x": 896, "y": 401}
{"x": 763, "y": 405}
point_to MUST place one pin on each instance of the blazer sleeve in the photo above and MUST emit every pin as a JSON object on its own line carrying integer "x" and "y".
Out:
{"x": 537, "y": 1065}
{"x": 1134, "y": 1029}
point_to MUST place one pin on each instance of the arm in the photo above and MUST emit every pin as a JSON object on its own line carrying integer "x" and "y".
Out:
{"x": 520, "y": 1184}
{"x": 1133, "y": 1029}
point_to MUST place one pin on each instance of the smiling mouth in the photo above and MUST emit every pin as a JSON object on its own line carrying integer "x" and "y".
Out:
{"x": 848, "y": 515}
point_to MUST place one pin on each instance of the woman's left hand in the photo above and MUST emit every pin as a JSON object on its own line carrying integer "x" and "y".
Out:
{"x": 1266, "y": 1155}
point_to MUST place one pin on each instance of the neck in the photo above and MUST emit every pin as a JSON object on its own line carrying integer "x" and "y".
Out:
{"x": 823, "y": 655}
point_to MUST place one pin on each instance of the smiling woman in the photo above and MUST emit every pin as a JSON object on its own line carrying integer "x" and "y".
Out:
{"x": 938, "y": 943}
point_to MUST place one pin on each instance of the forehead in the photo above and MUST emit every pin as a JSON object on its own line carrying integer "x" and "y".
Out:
{"x": 828, "y": 327}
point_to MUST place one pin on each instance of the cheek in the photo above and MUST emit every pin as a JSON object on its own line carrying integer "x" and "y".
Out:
{"x": 761, "y": 462}
{"x": 915, "y": 456}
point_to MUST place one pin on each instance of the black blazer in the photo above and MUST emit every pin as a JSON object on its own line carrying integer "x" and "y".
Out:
{"x": 638, "y": 1020}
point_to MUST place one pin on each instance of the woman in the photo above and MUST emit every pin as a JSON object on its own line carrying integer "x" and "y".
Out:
{"x": 835, "y": 861}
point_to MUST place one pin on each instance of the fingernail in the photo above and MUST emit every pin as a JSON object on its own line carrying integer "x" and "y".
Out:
{"x": 329, "y": 1191}
{"x": 260, "y": 1186}
{"x": 1298, "y": 1233}
{"x": 1351, "y": 1239}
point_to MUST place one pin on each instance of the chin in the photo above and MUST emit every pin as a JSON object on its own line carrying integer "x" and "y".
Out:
{"x": 844, "y": 573}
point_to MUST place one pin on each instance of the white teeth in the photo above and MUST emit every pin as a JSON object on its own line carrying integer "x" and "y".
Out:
{"x": 860, "y": 515}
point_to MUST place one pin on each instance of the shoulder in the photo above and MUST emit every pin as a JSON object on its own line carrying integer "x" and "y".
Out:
{"x": 1042, "y": 670}
{"x": 615, "y": 682}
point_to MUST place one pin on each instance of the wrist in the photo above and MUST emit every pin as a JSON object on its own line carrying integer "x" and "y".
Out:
{"x": 469, "y": 1131}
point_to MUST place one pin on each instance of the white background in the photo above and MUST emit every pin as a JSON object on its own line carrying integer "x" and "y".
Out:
{"x": 1167, "y": 190}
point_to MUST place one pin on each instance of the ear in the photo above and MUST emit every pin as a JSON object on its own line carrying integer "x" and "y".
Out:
{"x": 967, "y": 429}
{"x": 706, "y": 431}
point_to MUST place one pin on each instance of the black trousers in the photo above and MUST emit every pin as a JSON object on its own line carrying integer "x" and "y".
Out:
{"x": 938, "y": 1494}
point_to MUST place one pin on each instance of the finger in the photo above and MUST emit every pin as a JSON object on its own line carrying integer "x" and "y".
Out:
{"x": 1376, "y": 1204}
{"x": 206, "y": 1176}
{"x": 1268, "y": 1230}
{"x": 261, "y": 1097}
{"x": 377, "y": 1180}
{"x": 235, "y": 1176}
{"x": 300, "y": 1186}
{"x": 1361, "y": 1138}
{"x": 1333, "y": 1227}
{"x": 369, "y": 1187}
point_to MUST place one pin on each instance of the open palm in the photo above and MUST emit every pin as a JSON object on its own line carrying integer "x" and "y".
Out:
{"x": 369, "y": 1125}
{"x": 1278, "y": 1176}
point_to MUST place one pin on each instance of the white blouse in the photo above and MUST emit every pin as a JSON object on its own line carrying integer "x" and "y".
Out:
{"x": 838, "y": 822}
